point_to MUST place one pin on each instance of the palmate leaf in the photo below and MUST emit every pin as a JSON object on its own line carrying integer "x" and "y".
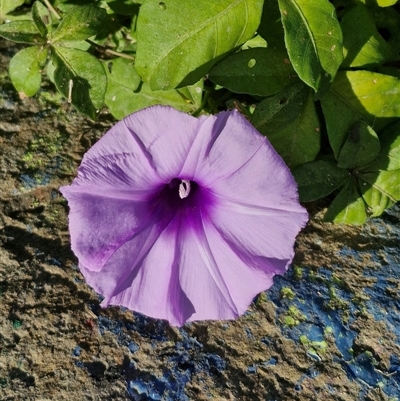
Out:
{"x": 86, "y": 75}
{"x": 258, "y": 71}
{"x": 313, "y": 39}
{"x": 359, "y": 95}
{"x": 179, "y": 40}
{"x": 25, "y": 69}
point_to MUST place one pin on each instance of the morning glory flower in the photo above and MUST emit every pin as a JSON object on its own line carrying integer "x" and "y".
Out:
{"x": 183, "y": 218}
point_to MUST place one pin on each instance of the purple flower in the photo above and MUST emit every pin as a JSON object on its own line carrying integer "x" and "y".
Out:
{"x": 182, "y": 218}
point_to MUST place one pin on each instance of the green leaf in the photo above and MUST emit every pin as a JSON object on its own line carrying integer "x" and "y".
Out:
{"x": 313, "y": 39}
{"x": 386, "y": 182}
{"x": 318, "y": 179}
{"x": 25, "y": 69}
{"x": 124, "y": 7}
{"x": 255, "y": 41}
{"x": 122, "y": 101}
{"x": 277, "y": 112}
{"x": 386, "y": 3}
{"x": 6, "y": 6}
{"x": 362, "y": 43}
{"x": 21, "y": 32}
{"x": 290, "y": 122}
{"x": 80, "y": 23}
{"x": 88, "y": 77}
{"x": 359, "y": 95}
{"x": 179, "y": 40}
{"x": 271, "y": 28}
{"x": 42, "y": 18}
{"x": 361, "y": 146}
{"x": 389, "y": 156}
{"x": 121, "y": 72}
{"x": 373, "y": 95}
{"x": 348, "y": 207}
{"x": 259, "y": 71}
{"x": 193, "y": 94}
{"x": 376, "y": 200}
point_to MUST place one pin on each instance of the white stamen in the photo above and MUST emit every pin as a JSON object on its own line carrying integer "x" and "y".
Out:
{"x": 184, "y": 189}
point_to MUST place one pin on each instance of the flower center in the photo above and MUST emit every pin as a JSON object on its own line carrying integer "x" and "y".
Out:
{"x": 179, "y": 192}
{"x": 180, "y": 195}
{"x": 184, "y": 189}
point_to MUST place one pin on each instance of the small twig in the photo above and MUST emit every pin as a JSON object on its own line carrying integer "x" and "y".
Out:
{"x": 109, "y": 51}
{"x": 113, "y": 52}
{"x": 52, "y": 9}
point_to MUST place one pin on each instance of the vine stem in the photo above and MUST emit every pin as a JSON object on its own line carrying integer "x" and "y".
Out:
{"x": 52, "y": 9}
{"x": 109, "y": 51}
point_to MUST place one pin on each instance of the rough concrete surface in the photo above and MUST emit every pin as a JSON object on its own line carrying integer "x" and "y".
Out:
{"x": 327, "y": 330}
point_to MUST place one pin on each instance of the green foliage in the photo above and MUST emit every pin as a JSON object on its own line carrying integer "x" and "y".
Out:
{"x": 318, "y": 78}
{"x": 7, "y": 6}
{"x": 25, "y": 69}
{"x": 180, "y": 40}
{"x": 313, "y": 39}
{"x": 258, "y": 71}
{"x": 290, "y": 122}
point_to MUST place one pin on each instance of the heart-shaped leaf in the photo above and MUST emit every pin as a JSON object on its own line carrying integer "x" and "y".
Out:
{"x": 179, "y": 40}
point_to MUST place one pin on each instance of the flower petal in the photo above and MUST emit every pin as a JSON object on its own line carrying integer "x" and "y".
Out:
{"x": 262, "y": 237}
{"x": 220, "y": 284}
{"x": 165, "y": 136}
{"x": 99, "y": 225}
{"x": 116, "y": 172}
{"x": 264, "y": 181}
{"x": 143, "y": 275}
{"x": 224, "y": 143}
